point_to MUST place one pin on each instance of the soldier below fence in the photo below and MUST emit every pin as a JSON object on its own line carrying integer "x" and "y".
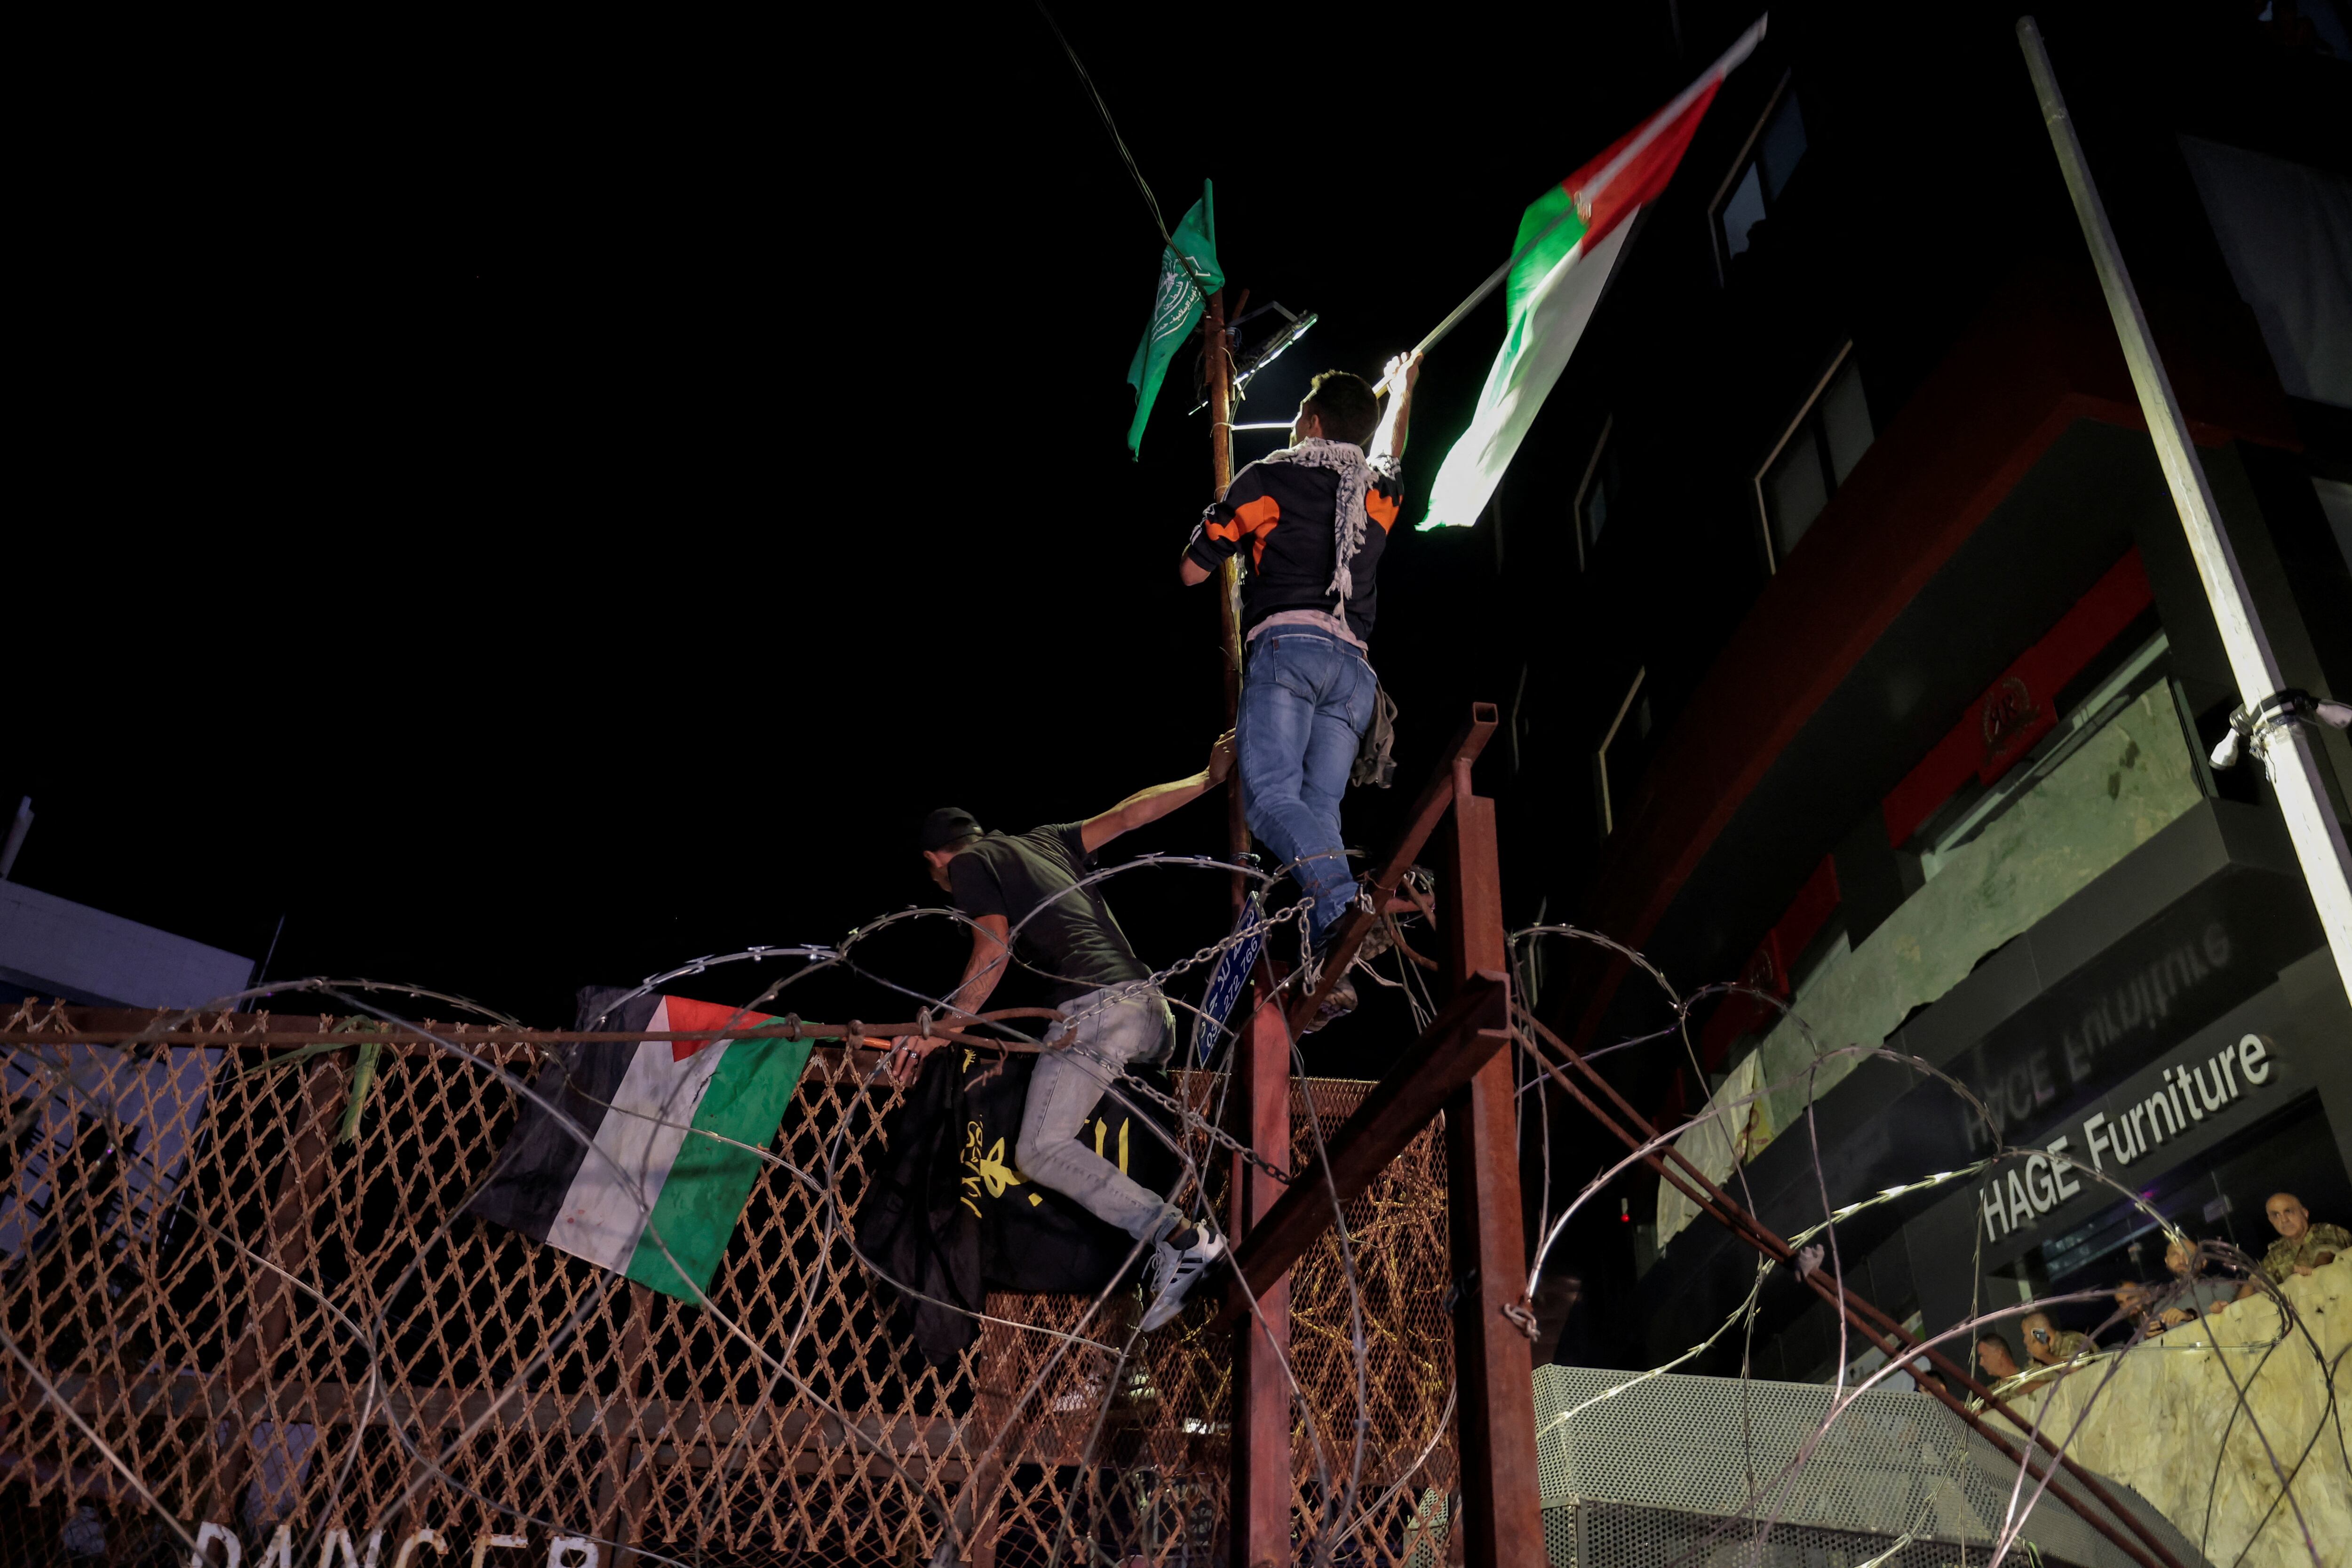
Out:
{"x": 2301, "y": 1247}
{"x": 2185, "y": 1298}
{"x": 1996, "y": 1362}
{"x": 2047, "y": 1343}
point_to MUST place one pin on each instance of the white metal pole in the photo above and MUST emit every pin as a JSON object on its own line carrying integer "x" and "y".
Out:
{"x": 2286, "y": 751}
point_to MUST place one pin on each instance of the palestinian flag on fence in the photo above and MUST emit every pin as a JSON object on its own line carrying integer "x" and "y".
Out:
{"x": 642, "y": 1173}
{"x": 1553, "y": 288}
{"x": 950, "y": 1213}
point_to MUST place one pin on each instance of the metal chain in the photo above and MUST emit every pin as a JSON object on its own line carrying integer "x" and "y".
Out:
{"x": 1216, "y": 1135}
{"x": 1187, "y": 1118}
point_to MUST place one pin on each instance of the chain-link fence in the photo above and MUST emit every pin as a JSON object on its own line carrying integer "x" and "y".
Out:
{"x": 220, "y": 1297}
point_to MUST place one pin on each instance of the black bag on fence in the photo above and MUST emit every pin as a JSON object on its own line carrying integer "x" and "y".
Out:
{"x": 951, "y": 1216}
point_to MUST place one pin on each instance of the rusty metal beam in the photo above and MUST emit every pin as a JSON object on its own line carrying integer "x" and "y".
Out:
{"x": 1436, "y": 796}
{"x": 1261, "y": 1408}
{"x": 407, "y": 1041}
{"x": 669, "y": 1423}
{"x": 1461, "y": 1039}
{"x": 1502, "y": 1491}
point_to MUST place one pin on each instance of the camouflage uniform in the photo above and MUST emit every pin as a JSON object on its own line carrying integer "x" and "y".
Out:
{"x": 2066, "y": 1343}
{"x": 2280, "y": 1261}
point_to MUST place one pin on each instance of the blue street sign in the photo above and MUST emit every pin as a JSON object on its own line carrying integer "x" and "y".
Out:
{"x": 1227, "y": 981}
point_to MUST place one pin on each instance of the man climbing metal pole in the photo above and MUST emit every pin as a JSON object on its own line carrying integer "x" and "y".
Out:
{"x": 1021, "y": 893}
{"x": 1309, "y": 602}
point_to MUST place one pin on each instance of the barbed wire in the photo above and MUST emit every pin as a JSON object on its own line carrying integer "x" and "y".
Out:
{"x": 1183, "y": 1124}
{"x": 1682, "y": 1008}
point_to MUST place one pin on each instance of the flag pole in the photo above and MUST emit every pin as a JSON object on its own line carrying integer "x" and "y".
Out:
{"x": 1229, "y": 575}
{"x": 1258, "y": 1475}
{"x": 1494, "y": 280}
{"x": 1741, "y": 47}
{"x": 2284, "y": 748}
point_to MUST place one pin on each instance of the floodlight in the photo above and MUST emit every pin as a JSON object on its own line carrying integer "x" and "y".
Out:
{"x": 1273, "y": 349}
{"x": 1267, "y": 353}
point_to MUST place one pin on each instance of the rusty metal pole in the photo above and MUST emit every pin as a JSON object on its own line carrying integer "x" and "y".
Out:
{"x": 1229, "y": 575}
{"x": 1261, "y": 1412}
{"x": 1502, "y": 1518}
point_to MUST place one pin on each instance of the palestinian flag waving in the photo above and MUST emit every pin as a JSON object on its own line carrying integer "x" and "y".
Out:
{"x": 1569, "y": 243}
{"x": 644, "y": 1171}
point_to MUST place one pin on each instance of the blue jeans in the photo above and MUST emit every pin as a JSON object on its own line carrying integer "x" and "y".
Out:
{"x": 1306, "y": 702}
{"x": 1110, "y": 1030}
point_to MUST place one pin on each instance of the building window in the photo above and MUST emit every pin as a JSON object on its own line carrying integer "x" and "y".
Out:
{"x": 2286, "y": 230}
{"x": 1819, "y": 450}
{"x": 1975, "y": 806}
{"x": 1623, "y": 766}
{"x": 1758, "y": 177}
{"x": 1596, "y": 496}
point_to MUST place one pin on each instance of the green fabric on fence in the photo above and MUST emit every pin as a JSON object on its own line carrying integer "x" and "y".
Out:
{"x": 711, "y": 1180}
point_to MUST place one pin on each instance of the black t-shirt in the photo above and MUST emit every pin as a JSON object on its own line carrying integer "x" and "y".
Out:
{"x": 1073, "y": 941}
{"x": 1286, "y": 511}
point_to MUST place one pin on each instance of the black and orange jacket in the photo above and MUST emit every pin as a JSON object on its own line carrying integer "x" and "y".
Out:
{"x": 1284, "y": 510}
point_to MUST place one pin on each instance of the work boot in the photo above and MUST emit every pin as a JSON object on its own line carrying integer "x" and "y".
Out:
{"x": 1340, "y": 1000}
{"x": 1336, "y": 1003}
{"x": 1174, "y": 1270}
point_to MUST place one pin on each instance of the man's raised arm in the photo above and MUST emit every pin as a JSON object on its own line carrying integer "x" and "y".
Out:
{"x": 1151, "y": 804}
{"x": 1387, "y": 441}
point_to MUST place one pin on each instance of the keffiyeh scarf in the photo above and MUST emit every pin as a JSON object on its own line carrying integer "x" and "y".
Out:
{"x": 1349, "y": 517}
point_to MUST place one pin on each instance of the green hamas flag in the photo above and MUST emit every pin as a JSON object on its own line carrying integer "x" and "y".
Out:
{"x": 1176, "y": 309}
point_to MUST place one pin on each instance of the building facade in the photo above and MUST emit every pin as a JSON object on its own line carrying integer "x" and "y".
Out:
{"x": 1871, "y": 624}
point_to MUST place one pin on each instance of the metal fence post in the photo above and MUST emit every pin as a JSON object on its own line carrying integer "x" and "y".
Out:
{"x": 1502, "y": 1509}
{"x": 1261, "y": 1409}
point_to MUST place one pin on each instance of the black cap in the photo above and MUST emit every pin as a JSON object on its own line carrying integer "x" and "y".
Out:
{"x": 948, "y": 825}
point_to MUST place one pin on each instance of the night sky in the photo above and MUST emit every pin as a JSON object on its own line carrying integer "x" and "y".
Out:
{"x": 576, "y": 508}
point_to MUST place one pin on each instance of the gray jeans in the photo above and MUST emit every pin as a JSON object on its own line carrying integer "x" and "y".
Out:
{"x": 1107, "y": 1035}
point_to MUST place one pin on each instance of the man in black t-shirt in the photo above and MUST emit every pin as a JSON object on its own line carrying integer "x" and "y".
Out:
{"x": 1310, "y": 523}
{"x": 1021, "y": 893}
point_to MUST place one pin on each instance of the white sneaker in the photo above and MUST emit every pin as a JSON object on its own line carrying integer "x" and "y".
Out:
{"x": 1174, "y": 1270}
